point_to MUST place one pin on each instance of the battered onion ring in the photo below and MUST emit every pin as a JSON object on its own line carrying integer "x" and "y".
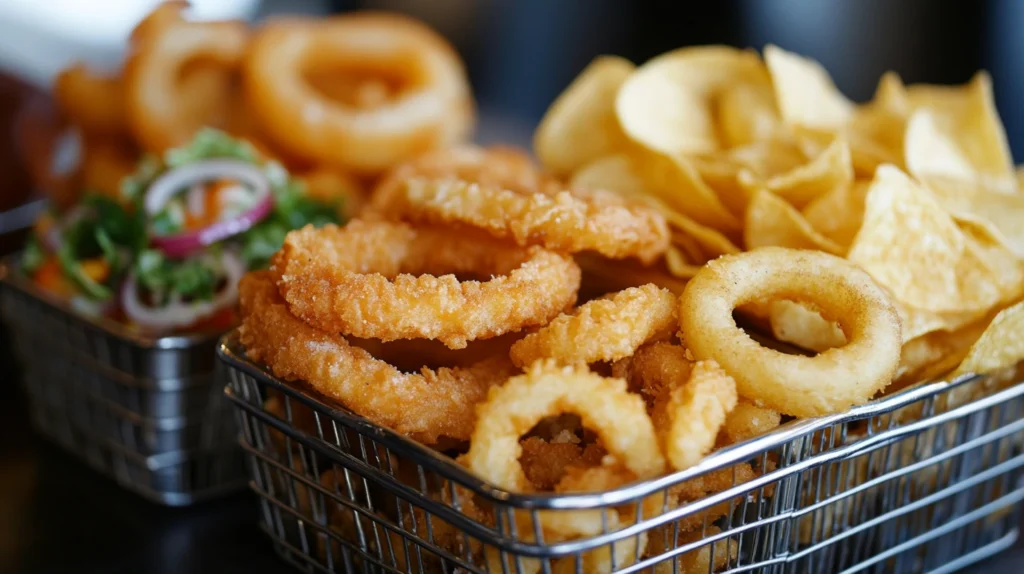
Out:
{"x": 505, "y": 167}
{"x": 690, "y": 412}
{"x": 574, "y": 221}
{"x": 433, "y": 106}
{"x": 602, "y": 329}
{"x": 162, "y": 47}
{"x": 653, "y": 368}
{"x": 604, "y": 405}
{"x": 93, "y": 102}
{"x": 796, "y": 385}
{"x": 426, "y": 406}
{"x": 360, "y": 280}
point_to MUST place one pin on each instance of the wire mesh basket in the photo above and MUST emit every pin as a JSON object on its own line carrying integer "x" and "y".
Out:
{"x": 147, "y": 412}
{"x": 927, "y": 479}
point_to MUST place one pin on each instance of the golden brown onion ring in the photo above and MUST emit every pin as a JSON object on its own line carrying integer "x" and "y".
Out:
{"x": 426, "y": 406}
{"x": 93, "y": 102}
{"x": 580, "y": 220}
{"x": 425, "y": 101}
{"x": 602, "y": 329}
{"x": 796, "y": 385}
{"x": 387, "y": 281}
{"x": 181, "y": 76}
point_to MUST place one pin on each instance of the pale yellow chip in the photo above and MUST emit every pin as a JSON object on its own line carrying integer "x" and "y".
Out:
{"x": 720, "y": 173}
{"x": 804, "y": 92}
{"x": 613, "y": 173}
{"x": 746, "y": 114}
{"x": 968, "y": 201}
{"x": 766, "y": 159}
{"x": 580, "y": 125}
{"x": 891, "y": 94}
{"x": 956, "y": 132}
{"x": 829, "y": 170}
{"x": 919, "y": 322}
{"x": 909, "y": 244}
{"x": 675, "y": 180}
{"x": 667, "y": 105}
{"x": 678, "y": 265}
{"x": 839, "y": 213}
{"x": 771, "y": 221}
{"x": 795, "y": 323}
{"x": 937, "y": 353}
{"x": 1001, "y": 265}
{"x": 1000, "y": 345}
{"x": 710, "y": 242}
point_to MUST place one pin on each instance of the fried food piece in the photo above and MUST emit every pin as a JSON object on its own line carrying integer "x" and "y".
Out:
{"x": 602, "y": 329}
{"x": 689, "y": 413}
{"x": 570, "y": 221}
{"x": 426, "y": 406}
{"x": 796, "y": 385}
{"x": 391, "y": 281}
{"x": 405, "y": 92}
{"x": 748, "y": 420}
{"x": 92, "y": 101}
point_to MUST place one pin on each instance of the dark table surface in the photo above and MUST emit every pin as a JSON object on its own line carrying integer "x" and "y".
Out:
{"x": 57, "y": 516}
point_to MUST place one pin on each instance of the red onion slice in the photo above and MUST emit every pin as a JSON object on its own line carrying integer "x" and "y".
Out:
{"x": 179, "y": 314}
{"x": 174, "y": 181}
{"x": 189, "y": 176}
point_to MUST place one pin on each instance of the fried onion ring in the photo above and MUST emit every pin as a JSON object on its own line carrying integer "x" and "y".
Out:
{"x": 502, "y": 166}
{"x": 748, "y": 420}
{"x": 426, "y": 405}
{"x": 580, "y": 220}
{"x": 92, "y": 101}
{"x": 373, "y": 280}
{"x": 165, "y": 105}
{"x": 796, "y": 385}
{"x": 690, "y": 412}
{"x": 424, "y": 99}
{"x": 602, "y": 329}
{"x": 604, "y": 405}
{"x": 653, "y": 368}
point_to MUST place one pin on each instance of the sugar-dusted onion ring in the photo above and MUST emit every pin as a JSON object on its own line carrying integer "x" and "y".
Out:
{"x": 422, "y": 96}
{"x": 168, "y": 95}
{"x": 374, "y": 279}
{"x": 580, "y": 220}
{"x": 690, "y": 412}
{"x": 618, "y": 417}
{"x": 796, "y": 385}
{"x": 426, "y": 406}
{"x": 602, "y": 329}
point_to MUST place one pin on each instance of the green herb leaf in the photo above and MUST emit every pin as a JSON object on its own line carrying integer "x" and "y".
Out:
{"x": 33, "y": 255}
{"x": 72, "y": 269}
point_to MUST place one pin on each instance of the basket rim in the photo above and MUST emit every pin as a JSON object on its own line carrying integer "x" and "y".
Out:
{"x": 232, "y": 353}
{"x": 11, "y": 278}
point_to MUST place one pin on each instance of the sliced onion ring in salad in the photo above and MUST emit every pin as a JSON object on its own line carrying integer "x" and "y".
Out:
{"x": 185, "y": 178}
{"x": 179, "y": 314}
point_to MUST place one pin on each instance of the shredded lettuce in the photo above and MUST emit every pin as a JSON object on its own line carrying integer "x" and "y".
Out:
{"x": 208, "y": 143}
{"x": 292, "y": 210}
{"x": 192, "y": 278}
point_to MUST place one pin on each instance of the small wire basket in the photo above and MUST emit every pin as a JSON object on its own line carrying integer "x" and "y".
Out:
{"x": 147, "y": 412}
{"x": 927, "y": 479}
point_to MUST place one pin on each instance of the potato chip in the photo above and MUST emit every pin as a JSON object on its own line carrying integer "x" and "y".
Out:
{"x": 831, "y": 169}
{"x": 613, "y": 173}
{"x": 746, "y": 114}
{"x": 804, "y": 92}
{"x": 795, "y": 323}
{"x": 678, "y": 265}
{"x": 772, "y": 221}
{"x": 956, "y": 132}
{"x": 891, "y": 94}
{"x": 1002, "y": 266}
{"x": 720, "y": 174}
{"x": 917, "y": 322}
{"x": 711, "y": 242}
{"x": 912, "y": 246}
{"x": 580, "y": 125}
{"x": 667, "y": 105}
{"x": 838, "y": 214}
{"x": 1000, "y": 345}
{"x": 766, "y": 159}
{"x": 968, "y": 201}
{"x": 937, "y": 353}
{"x": 674, "y": 180}
{"x": 875, "y": 135}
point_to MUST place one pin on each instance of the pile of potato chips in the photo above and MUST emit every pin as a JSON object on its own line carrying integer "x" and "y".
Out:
{"x": 916, "y": 186}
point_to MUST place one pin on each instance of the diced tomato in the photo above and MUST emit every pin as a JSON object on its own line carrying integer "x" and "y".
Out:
{"x": 51, "y": 278}
{"x": 211, "y": 206}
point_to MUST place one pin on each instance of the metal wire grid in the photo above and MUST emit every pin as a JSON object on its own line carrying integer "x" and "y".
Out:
{"x": 146, "y": 412}
{"x": 926, "y": 480}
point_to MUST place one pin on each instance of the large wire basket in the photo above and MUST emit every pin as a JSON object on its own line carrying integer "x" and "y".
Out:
{"x": 927, "y": 479}
{"x": 145, "y": 411}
